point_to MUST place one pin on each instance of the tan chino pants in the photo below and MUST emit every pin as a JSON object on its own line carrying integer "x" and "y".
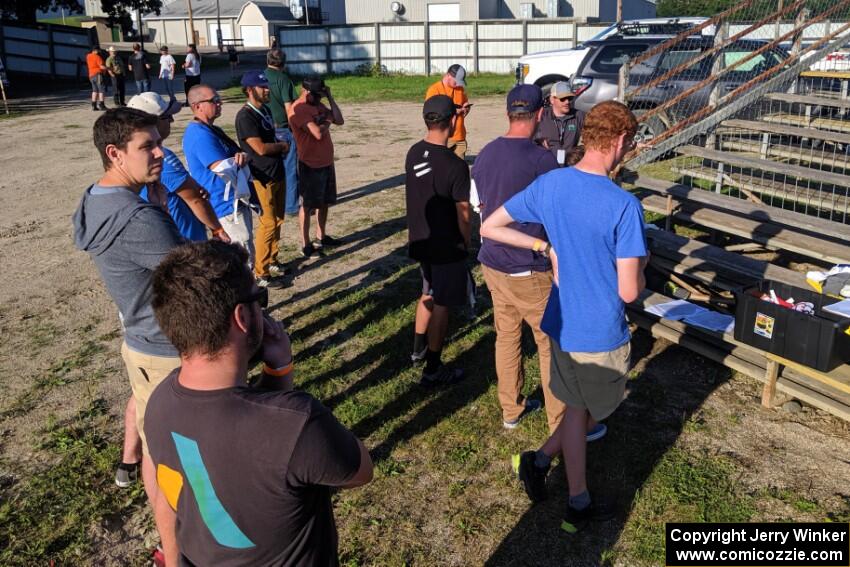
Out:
{"x": 272, "y": 197}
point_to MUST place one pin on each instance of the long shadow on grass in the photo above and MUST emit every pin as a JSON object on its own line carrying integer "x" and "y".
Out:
{"x": 370, "y": 188}
{"x": 672, "y": 386}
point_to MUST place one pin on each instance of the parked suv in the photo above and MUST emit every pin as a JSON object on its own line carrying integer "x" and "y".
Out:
{"x": 548, "y": 67}
{"x": 597, "y": 78}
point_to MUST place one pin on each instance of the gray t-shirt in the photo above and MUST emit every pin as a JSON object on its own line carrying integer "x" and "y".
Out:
{"x": 250, "y": 472}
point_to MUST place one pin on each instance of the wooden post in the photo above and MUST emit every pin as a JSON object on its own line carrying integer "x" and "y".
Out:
{"x": 778, "y": 27}
{"x": 797, "y": 39}
{"x": 771, "y": 375}
{"x": 765, "y": 145}
{"x": 191, "y": 21}
{"x": 475, "y": 47}
{"x": 525, "y": 37}
{"x": 427, "y": 48}
{"x": 668, "y": 222}
{"x": 717, "y": 66}
{"x": 718, "y": 187}
{"x": 5, "y": 102}
{"x": 623, "y": 81}
{"x": 51, "y": 52}
{"x": 619, "y": 11}
{"x": 378, "y": 44}
{"x": 328, "y": 62}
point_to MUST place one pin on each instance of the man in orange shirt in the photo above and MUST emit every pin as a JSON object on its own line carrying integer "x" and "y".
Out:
{"x": 96, "y": 69}
{"x": 311, "y": 121}
{"x": 452, "y": 85}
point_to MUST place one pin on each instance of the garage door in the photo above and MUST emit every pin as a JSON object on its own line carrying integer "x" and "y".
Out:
{"x": 252, "y": 36}
{"x": 226, "y": 33}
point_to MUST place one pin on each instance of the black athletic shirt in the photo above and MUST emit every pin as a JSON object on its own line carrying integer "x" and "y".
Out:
{"x": 251, "y": 123}
{"x": 250, "y": 472}
{"x": 437, "y": 179}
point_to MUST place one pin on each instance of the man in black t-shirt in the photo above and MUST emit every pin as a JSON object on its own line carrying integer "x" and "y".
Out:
{"x": 247, "y": 470}
{"x": 256, "y": 134}
{"x": 140, "y": 69}
{"x": 437, "y": 192}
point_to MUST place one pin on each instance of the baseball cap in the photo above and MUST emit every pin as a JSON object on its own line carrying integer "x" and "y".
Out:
{"x": 152, "y": 103}
{"x": 254, "y": 79}
{"x": 459, "y": 73}
{"x": 438, "y": 108}
{"x": 525, "y": 98}
{"x": 111, "y": 48}
{"x": 314, "y": 84}
{"x": 561, "y": 90}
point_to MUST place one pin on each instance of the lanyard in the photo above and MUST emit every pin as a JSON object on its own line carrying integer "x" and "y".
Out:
{"x": 562, "y": 130}
{"x": 268, "y": 123}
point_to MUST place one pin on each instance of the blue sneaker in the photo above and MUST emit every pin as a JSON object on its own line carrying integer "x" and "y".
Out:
{"x": 530, "y": 407}
{"x": 597, "y": 432}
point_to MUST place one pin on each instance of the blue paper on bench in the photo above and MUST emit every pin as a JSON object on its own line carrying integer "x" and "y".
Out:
{"x": 713, "y": 321}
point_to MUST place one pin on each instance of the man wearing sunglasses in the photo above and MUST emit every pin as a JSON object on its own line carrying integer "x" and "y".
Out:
{"x": 560, "y": 126}
{"x": 205, "y": 147}
{"x": 184, "y": 199}
{"x": 247, "y": 470}
{"x": 256, "y": 134}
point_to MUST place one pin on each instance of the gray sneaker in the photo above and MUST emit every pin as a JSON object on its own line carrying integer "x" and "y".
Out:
{"x": 531, "y": 406}
{"x": 126, "y": 475}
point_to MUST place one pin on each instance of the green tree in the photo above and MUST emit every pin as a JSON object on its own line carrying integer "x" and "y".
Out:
{"x": 124, "y": 11}
{"x": 25, "y": 10}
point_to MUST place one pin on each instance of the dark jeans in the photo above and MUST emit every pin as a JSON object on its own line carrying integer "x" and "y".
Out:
{"x": 118, "y": 89}
{"x": 190, "y": 82}
{"x": 143, "y": 86}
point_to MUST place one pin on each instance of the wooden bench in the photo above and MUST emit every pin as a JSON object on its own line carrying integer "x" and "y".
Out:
{"x": 808, "y": 100}
{"x": 819, "y": 123}
{"x": 786, "y": 130}
{"x": 775, "y": 228}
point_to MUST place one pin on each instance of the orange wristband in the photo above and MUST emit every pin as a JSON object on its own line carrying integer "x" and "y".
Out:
{"x": 278, "y": 372}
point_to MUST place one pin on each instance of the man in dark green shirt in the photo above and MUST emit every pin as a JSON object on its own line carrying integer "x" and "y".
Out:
{"x": 281, "y": 96}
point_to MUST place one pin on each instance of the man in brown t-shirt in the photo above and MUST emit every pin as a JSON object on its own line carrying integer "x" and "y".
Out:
{"x": 247, "y": 470}
{"x": 311, "y": 121}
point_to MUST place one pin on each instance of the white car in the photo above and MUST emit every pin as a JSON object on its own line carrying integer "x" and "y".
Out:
{"x": 548, "y": 67}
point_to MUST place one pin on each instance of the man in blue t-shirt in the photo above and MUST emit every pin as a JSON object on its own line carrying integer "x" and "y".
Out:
{"x": 205, "y": 146}
{"x": 185, "y": 200}
{"x": 598, "y": 252}
{"x": 518, "y": 279}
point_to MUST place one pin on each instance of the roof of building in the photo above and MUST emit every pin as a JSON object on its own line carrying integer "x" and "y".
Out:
{"x": 272, "y": 11}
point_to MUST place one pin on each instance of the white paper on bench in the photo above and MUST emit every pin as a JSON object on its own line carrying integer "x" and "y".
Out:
{"x": 675, "y": 310}
{"x": 713, "y": 321}
{"x": 841, "y": 308}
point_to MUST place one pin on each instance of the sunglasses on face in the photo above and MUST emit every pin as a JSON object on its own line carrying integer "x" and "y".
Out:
{"x": 214, "y": 100}
{"x": 566, "y": 99}
{"x": 261, "y": 296}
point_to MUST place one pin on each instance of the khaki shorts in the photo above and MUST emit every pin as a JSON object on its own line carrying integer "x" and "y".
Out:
{"x": 146, "y": 372}
{"x": 595, "y": 381}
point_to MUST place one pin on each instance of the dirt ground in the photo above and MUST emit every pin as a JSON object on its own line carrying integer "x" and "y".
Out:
{"x": 54, "y": 308}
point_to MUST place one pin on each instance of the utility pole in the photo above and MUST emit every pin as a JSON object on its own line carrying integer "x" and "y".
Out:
{"x": 218, "y": 23}
{"x": 139, "y": 23}
{"x": 307, "y": 11}
{"x": 191, "y": 21}
{"x": 619, "y": 11}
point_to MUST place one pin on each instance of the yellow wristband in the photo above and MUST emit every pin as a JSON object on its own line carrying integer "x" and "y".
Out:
{"x": 537, "y": 244}
{"x": 277, "y": 372}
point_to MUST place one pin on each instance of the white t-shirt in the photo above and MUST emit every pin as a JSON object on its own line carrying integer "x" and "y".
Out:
{"x": 166, "y": 67}
{"x": 193, "y": 65}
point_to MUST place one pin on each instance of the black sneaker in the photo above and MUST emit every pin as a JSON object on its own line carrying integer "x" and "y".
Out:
{"x": 330, "y": 241}
{"x": 576, "y": 520}
{"x": 418, "y": 356}
{"x": 102, "y": 106}
{"x": 532, "y": 477}
{"x": 311, "y": 251}
{"x": 444, "y": 376}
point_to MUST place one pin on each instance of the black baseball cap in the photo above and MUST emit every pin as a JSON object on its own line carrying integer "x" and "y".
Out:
{"x": 438, "y": 108}
{"x": 314, "y": 84}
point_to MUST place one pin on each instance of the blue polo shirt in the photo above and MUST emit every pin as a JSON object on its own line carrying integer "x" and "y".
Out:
{"x": 591, "y": 222}
{"x": 174, "y": 175}
{"x": 202, "y": 147}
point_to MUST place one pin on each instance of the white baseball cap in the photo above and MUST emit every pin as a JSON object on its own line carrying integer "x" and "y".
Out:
{"x": 152, "y": 103}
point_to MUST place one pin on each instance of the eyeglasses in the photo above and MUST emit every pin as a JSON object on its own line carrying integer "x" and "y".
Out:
{"x": 215, "y": 100}
{"x": 261, "y": 296}
{"x": 168, "y": 118}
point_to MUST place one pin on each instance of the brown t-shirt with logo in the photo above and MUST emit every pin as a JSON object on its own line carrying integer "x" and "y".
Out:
{"x": 249, "y": 473}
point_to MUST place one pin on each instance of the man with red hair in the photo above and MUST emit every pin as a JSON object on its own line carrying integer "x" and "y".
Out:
{"x": 598, "y": 253}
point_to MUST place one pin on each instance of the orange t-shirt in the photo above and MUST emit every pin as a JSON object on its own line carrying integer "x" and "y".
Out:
{"x": 314, "y": 153}
{"x": 94, "y": 61}
{"x": 458, "y": 95}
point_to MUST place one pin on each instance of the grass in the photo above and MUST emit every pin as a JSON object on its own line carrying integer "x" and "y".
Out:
{"x": 74, "y": 21}
{"x": 409, "y": 88}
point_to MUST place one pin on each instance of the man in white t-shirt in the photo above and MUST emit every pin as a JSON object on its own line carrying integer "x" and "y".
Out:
{"x": 167, "y": 65}
{"x": 192, "y": 67}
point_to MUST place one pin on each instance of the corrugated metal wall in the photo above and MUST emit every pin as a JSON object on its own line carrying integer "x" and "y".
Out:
{"x": 44, "y": 49}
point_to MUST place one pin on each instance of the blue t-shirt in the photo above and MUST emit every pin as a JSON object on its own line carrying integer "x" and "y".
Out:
{"x": 591, "y": 222}
{"x": 202, "y": 147}
{"x": 503, "y": 168}
{"x": 174, "y": 175}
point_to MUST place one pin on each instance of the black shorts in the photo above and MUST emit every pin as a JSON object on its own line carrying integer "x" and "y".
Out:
{"x": 316, "y": 186}
{"x": 449, "y": 284}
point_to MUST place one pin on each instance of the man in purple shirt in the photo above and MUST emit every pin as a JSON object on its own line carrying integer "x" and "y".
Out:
{"x": 519, "y": 280}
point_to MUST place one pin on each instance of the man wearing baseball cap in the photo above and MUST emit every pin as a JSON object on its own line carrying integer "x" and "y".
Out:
{"x": 184, "y": 199}
{"x": 117, "y": 72}
{"x": 452, "y": 85}
{"x": 437, "y": 194}
{"x": 311, "y": 125}
{"x": 560, "y": 127}
{"x": 256, "y": 134}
